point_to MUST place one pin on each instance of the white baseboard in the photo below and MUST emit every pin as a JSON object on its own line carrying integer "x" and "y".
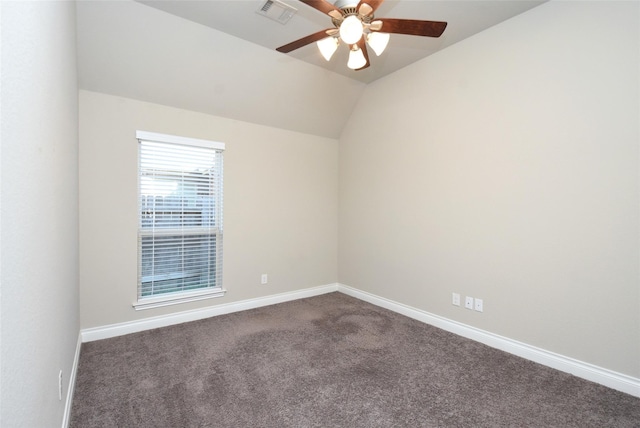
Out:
{"x": 66, "y": 418}
{"x": 113, "y": 330}
{"x": 609, "y": 378}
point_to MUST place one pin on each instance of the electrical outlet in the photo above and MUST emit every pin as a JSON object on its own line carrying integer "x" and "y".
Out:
{"x": 60, "y": 385}
{"x": 455, "y": 299}
{"x": 468, "y": 302}
{"x": 478, "y": 305}
{"x": 264, "y": 279}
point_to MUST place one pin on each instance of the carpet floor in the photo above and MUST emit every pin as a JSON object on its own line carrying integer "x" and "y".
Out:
{"x": 327, "y": 361}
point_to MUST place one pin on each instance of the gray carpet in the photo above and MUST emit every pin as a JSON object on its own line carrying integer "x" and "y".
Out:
{"x": 327, "y": 361}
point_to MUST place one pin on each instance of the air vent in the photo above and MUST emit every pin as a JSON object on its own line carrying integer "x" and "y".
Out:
{"x": 277, "y": 10}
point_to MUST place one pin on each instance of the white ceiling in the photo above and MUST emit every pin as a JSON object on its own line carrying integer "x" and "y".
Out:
{"x": 229, "y": 68}
{"x": 239, "y": 18}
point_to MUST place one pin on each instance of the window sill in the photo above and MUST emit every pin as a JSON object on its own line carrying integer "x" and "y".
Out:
{"x": 177, "y": 298}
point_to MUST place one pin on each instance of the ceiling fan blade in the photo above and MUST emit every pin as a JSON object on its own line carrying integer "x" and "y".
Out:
{"x": 413, "y": 27}
{"x": 324, "y": 7}
{"x": 363, "y": 46}
{"x": 303, "y": 41}
{"x": 367, "y": 7}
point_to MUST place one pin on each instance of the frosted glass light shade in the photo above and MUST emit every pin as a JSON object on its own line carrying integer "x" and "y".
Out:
{"x": 378, "y": 41}
{"x": 356, "y": 59}
{"x": 327, "y": 47}
{"x": 351, "y": 29}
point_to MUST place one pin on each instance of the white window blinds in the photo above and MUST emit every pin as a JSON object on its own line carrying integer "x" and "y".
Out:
{"x": 180, "y": 216}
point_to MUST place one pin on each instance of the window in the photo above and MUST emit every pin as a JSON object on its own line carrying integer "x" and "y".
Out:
{"x": 180, "y": 219}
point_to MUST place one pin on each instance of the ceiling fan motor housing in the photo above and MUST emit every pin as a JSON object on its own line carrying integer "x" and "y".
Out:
{"x": 343, "y": 4}
{"x": 349, "y": 11}
{"x": 363, "y": 24}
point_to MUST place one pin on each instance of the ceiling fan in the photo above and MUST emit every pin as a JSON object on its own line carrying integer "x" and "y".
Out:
{"x": 355, "y": 25}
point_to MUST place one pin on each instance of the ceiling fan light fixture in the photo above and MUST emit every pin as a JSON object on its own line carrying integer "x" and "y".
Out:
{"x": 351, "y": 29}
{"x": 354, "y": 24}
{"x": 328, "y": 46}
{"x": 356, "y": 59}
{"x": 378, "y": 42}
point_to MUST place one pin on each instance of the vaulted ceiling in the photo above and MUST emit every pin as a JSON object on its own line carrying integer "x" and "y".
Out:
{"x": 241, "y": 19}
{"x": 218, "y": 57}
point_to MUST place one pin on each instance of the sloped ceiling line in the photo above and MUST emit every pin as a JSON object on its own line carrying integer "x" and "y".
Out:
{"x": 218, "y": 57}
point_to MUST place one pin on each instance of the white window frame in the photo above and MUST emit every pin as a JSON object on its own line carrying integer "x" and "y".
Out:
{"x": 173, "y": 298}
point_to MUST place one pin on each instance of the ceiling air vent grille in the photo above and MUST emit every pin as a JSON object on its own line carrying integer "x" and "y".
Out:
{"x": 277, "y": 10}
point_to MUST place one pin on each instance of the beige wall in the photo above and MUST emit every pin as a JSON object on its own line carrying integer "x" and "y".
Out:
{"x": 129, "y": 49}
{"x": 280, "y": 205}
{"x": 506, "y": 168}
{"x": 39, "y": 213}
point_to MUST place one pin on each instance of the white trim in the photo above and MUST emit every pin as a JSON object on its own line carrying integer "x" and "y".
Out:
{"x": 609, "y": 378}
{"x": 113, "y": 330}
{"x": 175, "y": 139}
{"x": 161, "y": 300}
{"x": 66, "y": 418}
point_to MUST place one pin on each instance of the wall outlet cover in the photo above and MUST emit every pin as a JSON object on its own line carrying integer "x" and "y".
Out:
{"x": 468, "y": 302}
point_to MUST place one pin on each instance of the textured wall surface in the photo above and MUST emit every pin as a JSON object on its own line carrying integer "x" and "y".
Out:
{"x": 506, "y": 168}
{"x": 39, "y": 175}
{"x": 128, "y": 49}
{"x": 280, "y": 205}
